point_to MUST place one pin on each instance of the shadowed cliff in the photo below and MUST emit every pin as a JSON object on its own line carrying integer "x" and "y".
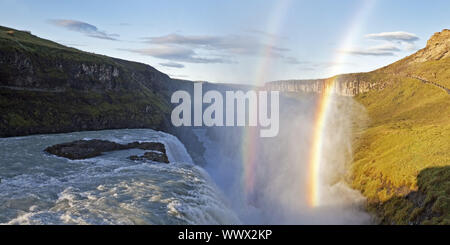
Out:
{"x": 46, "y": 87}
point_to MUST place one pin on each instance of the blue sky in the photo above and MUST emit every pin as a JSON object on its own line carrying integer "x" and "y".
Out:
{"x": 238, "y": 41}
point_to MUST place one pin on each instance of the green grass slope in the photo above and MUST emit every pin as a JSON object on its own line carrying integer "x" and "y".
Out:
{"x": 401, "y": 160}
{"x": 409, "y": 131}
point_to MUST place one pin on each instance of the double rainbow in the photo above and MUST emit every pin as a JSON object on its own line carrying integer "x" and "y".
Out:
{"x": 250, "y": 144}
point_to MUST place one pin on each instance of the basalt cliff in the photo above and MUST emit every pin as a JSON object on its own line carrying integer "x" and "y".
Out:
{"x": 46, "y": 87}
{"x": 345, "y": 85}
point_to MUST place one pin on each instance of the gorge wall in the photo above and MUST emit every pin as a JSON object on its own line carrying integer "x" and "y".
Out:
{"x": 46, "y": 87}
{"x": 345, "y": 85}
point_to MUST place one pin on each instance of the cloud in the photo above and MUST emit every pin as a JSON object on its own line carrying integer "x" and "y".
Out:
{"x": 172, "y": 64}
{"x": 313, "y": 66}
{"x": 369, "y": 53}
{"x": 264, "y": 34}
{"x": 229, "y": 44}
{"x": 394, "y": 36}
{"x": 387, "y": 49}
{"x": 209, "y": 48}
{"x": 293, "y": 61}
{"x": 393, "y": 42}
{"x": 183, "y": 40}
{"x": 179, "y": 54}
{"x": 85, "y": 28}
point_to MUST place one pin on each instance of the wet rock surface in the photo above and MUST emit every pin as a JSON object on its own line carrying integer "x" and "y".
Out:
{"x": 83, "y": 149}
{"x": 152, "y": 156}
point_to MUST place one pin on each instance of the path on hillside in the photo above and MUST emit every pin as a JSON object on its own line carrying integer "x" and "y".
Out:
{"x": 432, "y": 83}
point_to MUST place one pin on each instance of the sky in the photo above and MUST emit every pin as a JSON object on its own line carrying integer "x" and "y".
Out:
{"x": 237, "y": 41}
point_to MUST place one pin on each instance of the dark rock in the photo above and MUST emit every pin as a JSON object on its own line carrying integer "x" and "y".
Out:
{"x": 152, "y": 156}
{"x": 154, "y": 146}
{"x": 83, "y": 149}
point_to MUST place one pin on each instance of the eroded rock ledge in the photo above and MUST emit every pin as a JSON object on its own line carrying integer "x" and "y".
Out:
{"x": 83, "y": 149}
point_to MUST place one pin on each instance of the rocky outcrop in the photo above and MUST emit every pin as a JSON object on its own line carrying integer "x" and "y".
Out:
{"x": 152, "y": 156}
{"x": 341, "y": 85}
{"x": 83, "y": 149}
{"x": 438, "y": 47}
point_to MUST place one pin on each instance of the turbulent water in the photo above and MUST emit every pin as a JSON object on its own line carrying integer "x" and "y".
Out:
{"x": 38, "y": 188}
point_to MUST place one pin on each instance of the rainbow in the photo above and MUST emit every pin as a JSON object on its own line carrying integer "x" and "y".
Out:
{"x": 324, "y": 101}
{"x": 323, "y": 108}
{"x": 249, "y": 142}
{"x": 250, "y": 135}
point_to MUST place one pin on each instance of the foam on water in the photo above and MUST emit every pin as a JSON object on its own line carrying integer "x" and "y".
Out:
{"x": 38, "y": 188}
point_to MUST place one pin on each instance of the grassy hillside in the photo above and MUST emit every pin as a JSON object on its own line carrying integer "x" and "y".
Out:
{"x": 16, "y": 40}
{"x": 47, "y": 87}
{"x": 399, "y": 159}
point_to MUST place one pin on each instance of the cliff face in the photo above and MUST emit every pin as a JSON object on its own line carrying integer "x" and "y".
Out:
{"x": 345, "y": 85}
{"x": 27, "y": 65}
{"x": 438, "y": 47}
{"x": 22, "y": 69}
{"x": 46, "y": 87}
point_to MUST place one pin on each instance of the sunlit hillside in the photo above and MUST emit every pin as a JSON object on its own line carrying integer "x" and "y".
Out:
{"x": 400, "y": 159}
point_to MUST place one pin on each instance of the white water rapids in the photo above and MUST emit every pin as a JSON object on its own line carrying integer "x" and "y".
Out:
{"x": 38, "y": 188}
